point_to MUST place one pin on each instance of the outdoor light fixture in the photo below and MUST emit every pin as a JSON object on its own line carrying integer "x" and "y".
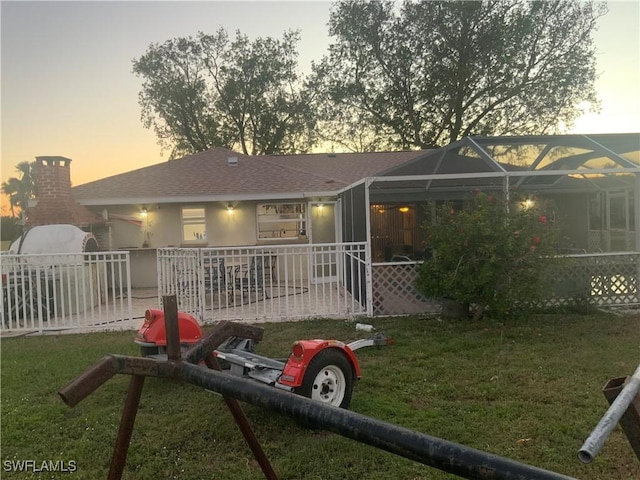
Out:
{"x": 404, "y": 209}
{"x": 229, "y": 209}
{"x": 528, "y": 203}
{"x": 143, "y": 212}
{"x": 320, "y": 206}
{"x": 379, "y": 208}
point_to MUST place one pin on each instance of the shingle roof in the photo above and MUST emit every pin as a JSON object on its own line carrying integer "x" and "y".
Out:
{"x": 207, "y": 175}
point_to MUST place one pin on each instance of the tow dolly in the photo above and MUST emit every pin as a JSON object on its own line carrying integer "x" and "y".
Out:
{"x": 323, "y": 370}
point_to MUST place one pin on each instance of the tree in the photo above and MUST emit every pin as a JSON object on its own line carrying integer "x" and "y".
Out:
{"x": 21, "y": 190}
{"x": 424, "y": 74}
{"x": 9, "y": 228}
{"x": 493, "y": 253}
{"x": 210, "y": 91}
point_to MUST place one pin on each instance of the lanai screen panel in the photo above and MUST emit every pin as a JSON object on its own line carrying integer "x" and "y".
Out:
{"x": 531, "y": 162}
{"x": 354, "y": 221}
{"x": 354, "y": 229}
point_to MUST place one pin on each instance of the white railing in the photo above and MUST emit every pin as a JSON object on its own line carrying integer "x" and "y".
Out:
{"x": 267, "y": 282}
{"x": 42, "y": 292}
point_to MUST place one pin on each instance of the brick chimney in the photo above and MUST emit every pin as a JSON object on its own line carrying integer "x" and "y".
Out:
{"x": 55, "y": 205}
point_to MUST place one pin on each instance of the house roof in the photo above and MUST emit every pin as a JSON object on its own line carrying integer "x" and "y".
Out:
{"x": 208, "y": 176}
{"x": 537, "y": 161}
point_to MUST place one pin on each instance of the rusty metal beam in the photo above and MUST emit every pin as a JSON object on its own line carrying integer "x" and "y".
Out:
{"x": 88, "y": 382}
{"x": 129, "y": 412}
{"x": 432, "y": 451}
{"x": 172, "y": 328}
{"x": 245, "y": 427}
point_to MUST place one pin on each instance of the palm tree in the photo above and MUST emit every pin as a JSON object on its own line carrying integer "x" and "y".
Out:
{"x": 21, "y": 190}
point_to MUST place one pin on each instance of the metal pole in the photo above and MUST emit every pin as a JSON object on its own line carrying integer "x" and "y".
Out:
{"x": 243, "y": 423}
{"x": 89, "y": 381}
{"x": 630, "y": 421}
{"x": 129, "y": 412}
{"x": 172, "y": 327}
{"x": 435, "y": 452}
{"x": 593, "y": 444}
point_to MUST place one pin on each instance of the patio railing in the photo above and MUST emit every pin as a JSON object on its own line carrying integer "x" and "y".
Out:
{"x": 288, "y": 282}
{"x": 267, "y": 282}
{"x": 42, "y": 292}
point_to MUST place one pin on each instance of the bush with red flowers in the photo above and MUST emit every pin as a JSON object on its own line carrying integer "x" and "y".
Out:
{"x": 491, "y": 254}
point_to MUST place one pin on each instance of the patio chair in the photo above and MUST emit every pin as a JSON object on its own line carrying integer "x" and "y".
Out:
{"x": 215, "y": 278}
{"x": 253, "y": 278}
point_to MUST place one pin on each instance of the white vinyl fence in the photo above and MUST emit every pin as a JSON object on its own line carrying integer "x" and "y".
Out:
{"x": 43, "y": 292}
{"x": 268, "y": 282}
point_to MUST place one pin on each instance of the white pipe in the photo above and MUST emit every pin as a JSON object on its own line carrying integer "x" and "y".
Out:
{"x": 607, "y": 423}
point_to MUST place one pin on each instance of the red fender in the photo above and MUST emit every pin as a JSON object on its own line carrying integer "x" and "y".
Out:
{"x": 153, "y": 330}
{"x": 303, "y": 352}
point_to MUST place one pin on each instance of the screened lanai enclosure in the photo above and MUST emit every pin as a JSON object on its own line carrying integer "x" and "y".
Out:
{"x": 592, "y": 181}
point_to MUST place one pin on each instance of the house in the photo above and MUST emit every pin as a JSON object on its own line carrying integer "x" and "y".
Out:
{"x": 288, "y": 207}
{"x": 220, "y": 198}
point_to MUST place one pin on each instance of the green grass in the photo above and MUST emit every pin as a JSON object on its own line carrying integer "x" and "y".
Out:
{"x": 528, "y": 390}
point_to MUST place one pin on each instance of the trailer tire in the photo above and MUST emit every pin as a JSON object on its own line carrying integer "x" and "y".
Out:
{"x": 328, "y": 379}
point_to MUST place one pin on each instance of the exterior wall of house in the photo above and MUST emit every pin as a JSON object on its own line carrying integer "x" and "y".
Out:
{"x": 162, "y": 227}
{"x": 234, "y": 228}
{"x": 322, "y": 220}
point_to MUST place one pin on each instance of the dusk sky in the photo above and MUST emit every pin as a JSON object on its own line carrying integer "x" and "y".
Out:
{"x": 68, "y": 87}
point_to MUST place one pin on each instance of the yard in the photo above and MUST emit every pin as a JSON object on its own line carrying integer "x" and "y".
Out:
{"x": 528, "y": 390}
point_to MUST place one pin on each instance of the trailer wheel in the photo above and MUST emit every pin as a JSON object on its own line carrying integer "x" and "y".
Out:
{"x": 328, "y": 379}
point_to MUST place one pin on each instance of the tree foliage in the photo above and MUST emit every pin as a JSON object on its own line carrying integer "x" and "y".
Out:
{"x": 21, "y": 189}
{"x": 492, "y": 253}
{"x": 424, "y": 74}
{"x": 209, "y": 91}
{"x": 9, "y": 229}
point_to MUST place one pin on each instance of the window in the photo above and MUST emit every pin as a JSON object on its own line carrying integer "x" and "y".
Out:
{"x": 281, "y": 221}
{"x": 194, "y": 228}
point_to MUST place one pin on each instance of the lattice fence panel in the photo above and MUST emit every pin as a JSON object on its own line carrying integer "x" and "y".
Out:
{"x": 598, "y": 280}
{"x": 394, "y": 291}
{"x": 602, "y": 280}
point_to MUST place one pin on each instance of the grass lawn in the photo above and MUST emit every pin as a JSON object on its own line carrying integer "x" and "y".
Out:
{"x": 528, "y": 390}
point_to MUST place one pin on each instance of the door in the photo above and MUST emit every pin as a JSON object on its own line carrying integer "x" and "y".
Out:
{"x": 620, "y": 222}
{"x": 322, "y": 237}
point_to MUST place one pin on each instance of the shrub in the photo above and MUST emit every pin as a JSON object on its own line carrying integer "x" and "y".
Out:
{"x": 488, "y": 254}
